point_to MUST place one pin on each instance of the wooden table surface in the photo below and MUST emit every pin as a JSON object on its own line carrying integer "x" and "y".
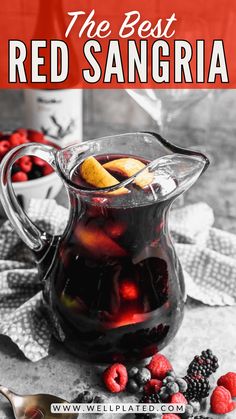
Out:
{"x": 209, "y": 125}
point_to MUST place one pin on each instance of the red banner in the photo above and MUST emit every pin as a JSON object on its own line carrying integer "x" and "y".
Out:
{"x": 118, "y": 44}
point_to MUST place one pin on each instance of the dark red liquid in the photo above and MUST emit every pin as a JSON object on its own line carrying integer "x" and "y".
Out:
{"x": 117, "y": 284}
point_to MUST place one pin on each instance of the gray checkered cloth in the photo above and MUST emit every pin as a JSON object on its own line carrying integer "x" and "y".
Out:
{"x": 208, "y": 256}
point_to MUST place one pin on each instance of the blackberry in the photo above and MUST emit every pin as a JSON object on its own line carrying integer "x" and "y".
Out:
{"x": 198, "y": 388}
{"x": 203, "y": 365}
{"x": 151, "y": 398}
{"x": 202, "y": 417}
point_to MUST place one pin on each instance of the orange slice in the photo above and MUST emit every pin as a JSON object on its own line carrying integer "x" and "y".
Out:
{"x": 127, "y": 167}
{"x": 96, "y": 175}
{"x": 97, "y": 243}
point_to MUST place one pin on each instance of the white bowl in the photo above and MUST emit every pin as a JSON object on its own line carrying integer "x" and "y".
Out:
{"x": 43, "y": 187}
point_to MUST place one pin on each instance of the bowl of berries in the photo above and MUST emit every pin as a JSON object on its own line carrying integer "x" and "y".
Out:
{"x": 31, "y": 176}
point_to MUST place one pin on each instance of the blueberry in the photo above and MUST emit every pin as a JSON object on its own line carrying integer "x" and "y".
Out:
{"x": 182, "y": 384}
{"x": 132, "y": 372}
{"x": 171, "y": 373}
{"x": 132, "y": 386}
{"x": 168, "y": 380}
{"x": 143, "y": 375}
{"x": 196, "y": 406}
{"x": 172, "y": 388}
{"x": 188, "y": 412}
{"x": 164, "y": 394}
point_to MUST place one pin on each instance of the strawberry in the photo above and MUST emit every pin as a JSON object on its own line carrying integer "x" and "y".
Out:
{"x": 221, "y": 401}
{"x": 170, "y": 416}
{"x": 152, "y": 386}
{"x": 159, "y": 366}
{"x": 228, "y": 381}
{"x": 115, "y": 378}
{"x": 178, "y": 398}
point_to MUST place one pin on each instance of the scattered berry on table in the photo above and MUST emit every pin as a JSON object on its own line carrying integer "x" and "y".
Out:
{"x": 228, "y": 381}
{"x": 188, "y": 412}
{"x": 203, "y": 365}
{"x": 164, "y": 394}
{"x": 132, "y": 386}
{"x": 170, "y": 416}
{"x": 178, "y": 398}
{"x": 132, "y": 372}
{"x": 152, "y": 386}
{"x": 171, "y": 373}
{"x": 172, "y": 388}
{"x": 152, "y": 398}
{"x": 221, "y": 401}
{"x": 202, "y": 417}
{"x": 159, "y": 366}
{"x": 143, "y": 376}
{"x": 183, "y": 386}
{"x": 83, "y": 397}
{"x": 196, "y": 406}
{"x": 198, "y": 387}
{"x": 115, "y": 378}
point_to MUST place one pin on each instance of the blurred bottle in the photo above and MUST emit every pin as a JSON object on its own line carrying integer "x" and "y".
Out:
{"x": 58, "y": 113}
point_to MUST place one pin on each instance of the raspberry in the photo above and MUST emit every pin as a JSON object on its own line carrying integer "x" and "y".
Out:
{"x": 35, "y": 136}
{"x": 19, "y": 177}
{"x": 152, "y": 386}
{"x": 203, "y": 365}
{"x": 39, "y": 162}
{"x": 17, "y": 139}
{"x": 221, "y": 401}
{"x": 47, "y": 170}
{"x": 25, "y": 163}
{"x": 115, "y": 378}
{"x": 170, "y": 416}
{"x": 128, "y": 290}
{"x": 228, "y": 381}
{"x": 4, "y": 147}
{"x": 159, "y": 366}
{"x": 198, "y": 388}
{"x": 178, "y": 398}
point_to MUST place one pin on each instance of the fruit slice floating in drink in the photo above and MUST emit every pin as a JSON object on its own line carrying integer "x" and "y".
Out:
{"x": 95, "y": 174}
{"x": 97, "y": 243}
{"x": 127, "y": 167}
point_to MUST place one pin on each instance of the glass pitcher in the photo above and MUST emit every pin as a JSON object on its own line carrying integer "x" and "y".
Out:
{"x": 112, "y": 283}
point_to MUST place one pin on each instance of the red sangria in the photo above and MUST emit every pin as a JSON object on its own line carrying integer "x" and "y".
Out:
{"x": 112, "y": 283}
{"x": 116, "y": 289}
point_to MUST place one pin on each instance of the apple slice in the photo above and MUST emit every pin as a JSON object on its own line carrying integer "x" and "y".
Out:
{"x": 96, "y": 242}
{"x": 129, "y": 166}
{"x": 95, "y": 174}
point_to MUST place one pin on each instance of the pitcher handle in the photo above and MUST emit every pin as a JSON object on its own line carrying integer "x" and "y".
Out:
{"x": 26, "y": 229}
